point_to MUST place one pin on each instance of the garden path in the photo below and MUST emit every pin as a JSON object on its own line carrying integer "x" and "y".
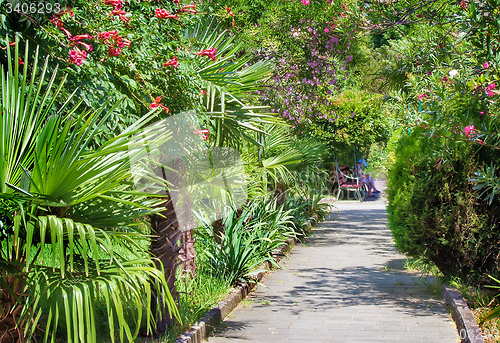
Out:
{"x": 346, "y": 283}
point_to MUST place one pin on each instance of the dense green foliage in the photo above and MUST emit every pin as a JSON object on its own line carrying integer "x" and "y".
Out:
{"x": 435, "y": 213}
{"x": 69, "y": 217}
{"x": 293, "y": 86}
{"x": 446, "y": 101}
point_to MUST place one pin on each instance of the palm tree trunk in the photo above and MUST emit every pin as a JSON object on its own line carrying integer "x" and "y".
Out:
{"x": 280, "y": 194}
{"x": 166, "y": 248}
{"x": 172, "y": 247}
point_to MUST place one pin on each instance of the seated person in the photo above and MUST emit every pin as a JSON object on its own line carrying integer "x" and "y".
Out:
{"x": 367, "y": 179}
{"x": 345, "y": 170}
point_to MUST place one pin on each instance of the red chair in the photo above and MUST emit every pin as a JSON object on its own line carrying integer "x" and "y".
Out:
{"x": 347, "y": 183}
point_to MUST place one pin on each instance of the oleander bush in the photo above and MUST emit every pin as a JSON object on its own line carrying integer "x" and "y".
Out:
{"x": 434, "y": 211}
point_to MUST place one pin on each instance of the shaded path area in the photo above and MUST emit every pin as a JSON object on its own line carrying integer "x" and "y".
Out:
{"x": 346, "y": 283}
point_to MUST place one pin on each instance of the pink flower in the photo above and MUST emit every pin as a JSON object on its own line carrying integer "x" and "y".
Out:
{"x": 164, "y": 14}
{"x": 77, "y": 56}
{"x": 80, "y": 37}
{"x": 189, "y": 8}
{"x": 423, "y": 95}
{"x": 444, "y": 79}
{"x": 68, "y": 34}
{"x": 156, "y": 104}
{"x": 114, "y": 51}
{"x": 203, "y": 92}
{"x": 489, "y": 89}
{"x": 469, "y": 131}
{"x": 173, "y": 62}
{"x": 208, "y": 52}
{"x": 326, "y": 30}
{"x": 486, "y": 65}
{"x": 115, "y": 3}
{"x": 121, "y": 14}
{"x": 305, "y": 2}
{"x": 86, "y": 46}
{"x": 203, "y": 133}
{"x": 121, "y": 42}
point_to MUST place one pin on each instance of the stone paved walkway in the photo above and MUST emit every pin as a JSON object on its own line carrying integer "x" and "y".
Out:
{"x": 346, "y": 283}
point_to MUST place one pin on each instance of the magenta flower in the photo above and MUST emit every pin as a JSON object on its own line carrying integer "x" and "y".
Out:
{"x": 173, "y": 62}
{"x": 156, "y": 104}
{"x": 489, "y": 89}
{"x": 208, "y": 52}
{"x": 305, "y": 2}
{"x": 486, "y": 65}
{"x": 327, "y": 30}
{"x": 469, "y": 130}
{"x": 204, "y": 133}
{"x": 77, "y": 56}
{"x": 423, "y": 95}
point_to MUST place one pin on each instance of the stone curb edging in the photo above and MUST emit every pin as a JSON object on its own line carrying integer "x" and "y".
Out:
{"x": 200, "y": 330}
{"x": 467, "y": 327}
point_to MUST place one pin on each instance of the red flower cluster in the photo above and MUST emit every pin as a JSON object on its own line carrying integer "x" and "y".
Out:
{"x": 203, "y": 133}
{"x": 77, "y": 40}
{"x": 156, "y": 104}
{"x": 56, "y": 20}
{"x": 173, "y": 62}
{"x": 117, "y": 10}
{"x": 231, "y": 14}
{"x": 164, "y": 14}
{"x": 104, "y": 36}
{"x": 114, "y": 42}
{"x": 189, "y": 8}
{"x": 121, "y": 14}
{"x": 489, "y": 89}
{"x": 77, "y": 56}
{"x": 117, "y": 4}
{"x": 209, "y": 52}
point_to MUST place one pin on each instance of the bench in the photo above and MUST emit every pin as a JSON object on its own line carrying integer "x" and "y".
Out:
{"x": 347, "y": 183}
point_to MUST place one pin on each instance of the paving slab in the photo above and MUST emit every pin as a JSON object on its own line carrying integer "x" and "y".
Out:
{"x": 345, "y": 283}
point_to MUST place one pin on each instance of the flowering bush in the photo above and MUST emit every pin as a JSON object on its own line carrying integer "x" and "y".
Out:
{"x": 133, "y": 50}
{"x": 445, "y": 93}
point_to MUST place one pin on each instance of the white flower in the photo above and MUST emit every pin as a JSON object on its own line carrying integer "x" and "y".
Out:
{"x": 453, "y": 73}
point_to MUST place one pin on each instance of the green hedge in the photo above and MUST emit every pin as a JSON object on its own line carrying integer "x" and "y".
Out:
{"x": 434, "y": 212}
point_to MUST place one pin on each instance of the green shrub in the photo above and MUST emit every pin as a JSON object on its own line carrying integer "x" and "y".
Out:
{"x": 435, "y": 214}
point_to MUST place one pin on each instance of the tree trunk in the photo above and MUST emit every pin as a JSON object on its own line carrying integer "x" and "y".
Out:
{"x": 218, "y": 230}
{"x": 280, "y": 194}
{"x": 171, "y": 246}
{"x": 188, "y": 254}
{"x": 166, "y": 248}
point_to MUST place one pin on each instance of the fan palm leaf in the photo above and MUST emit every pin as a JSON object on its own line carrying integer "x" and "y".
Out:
{"x": 74, "y": 229}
